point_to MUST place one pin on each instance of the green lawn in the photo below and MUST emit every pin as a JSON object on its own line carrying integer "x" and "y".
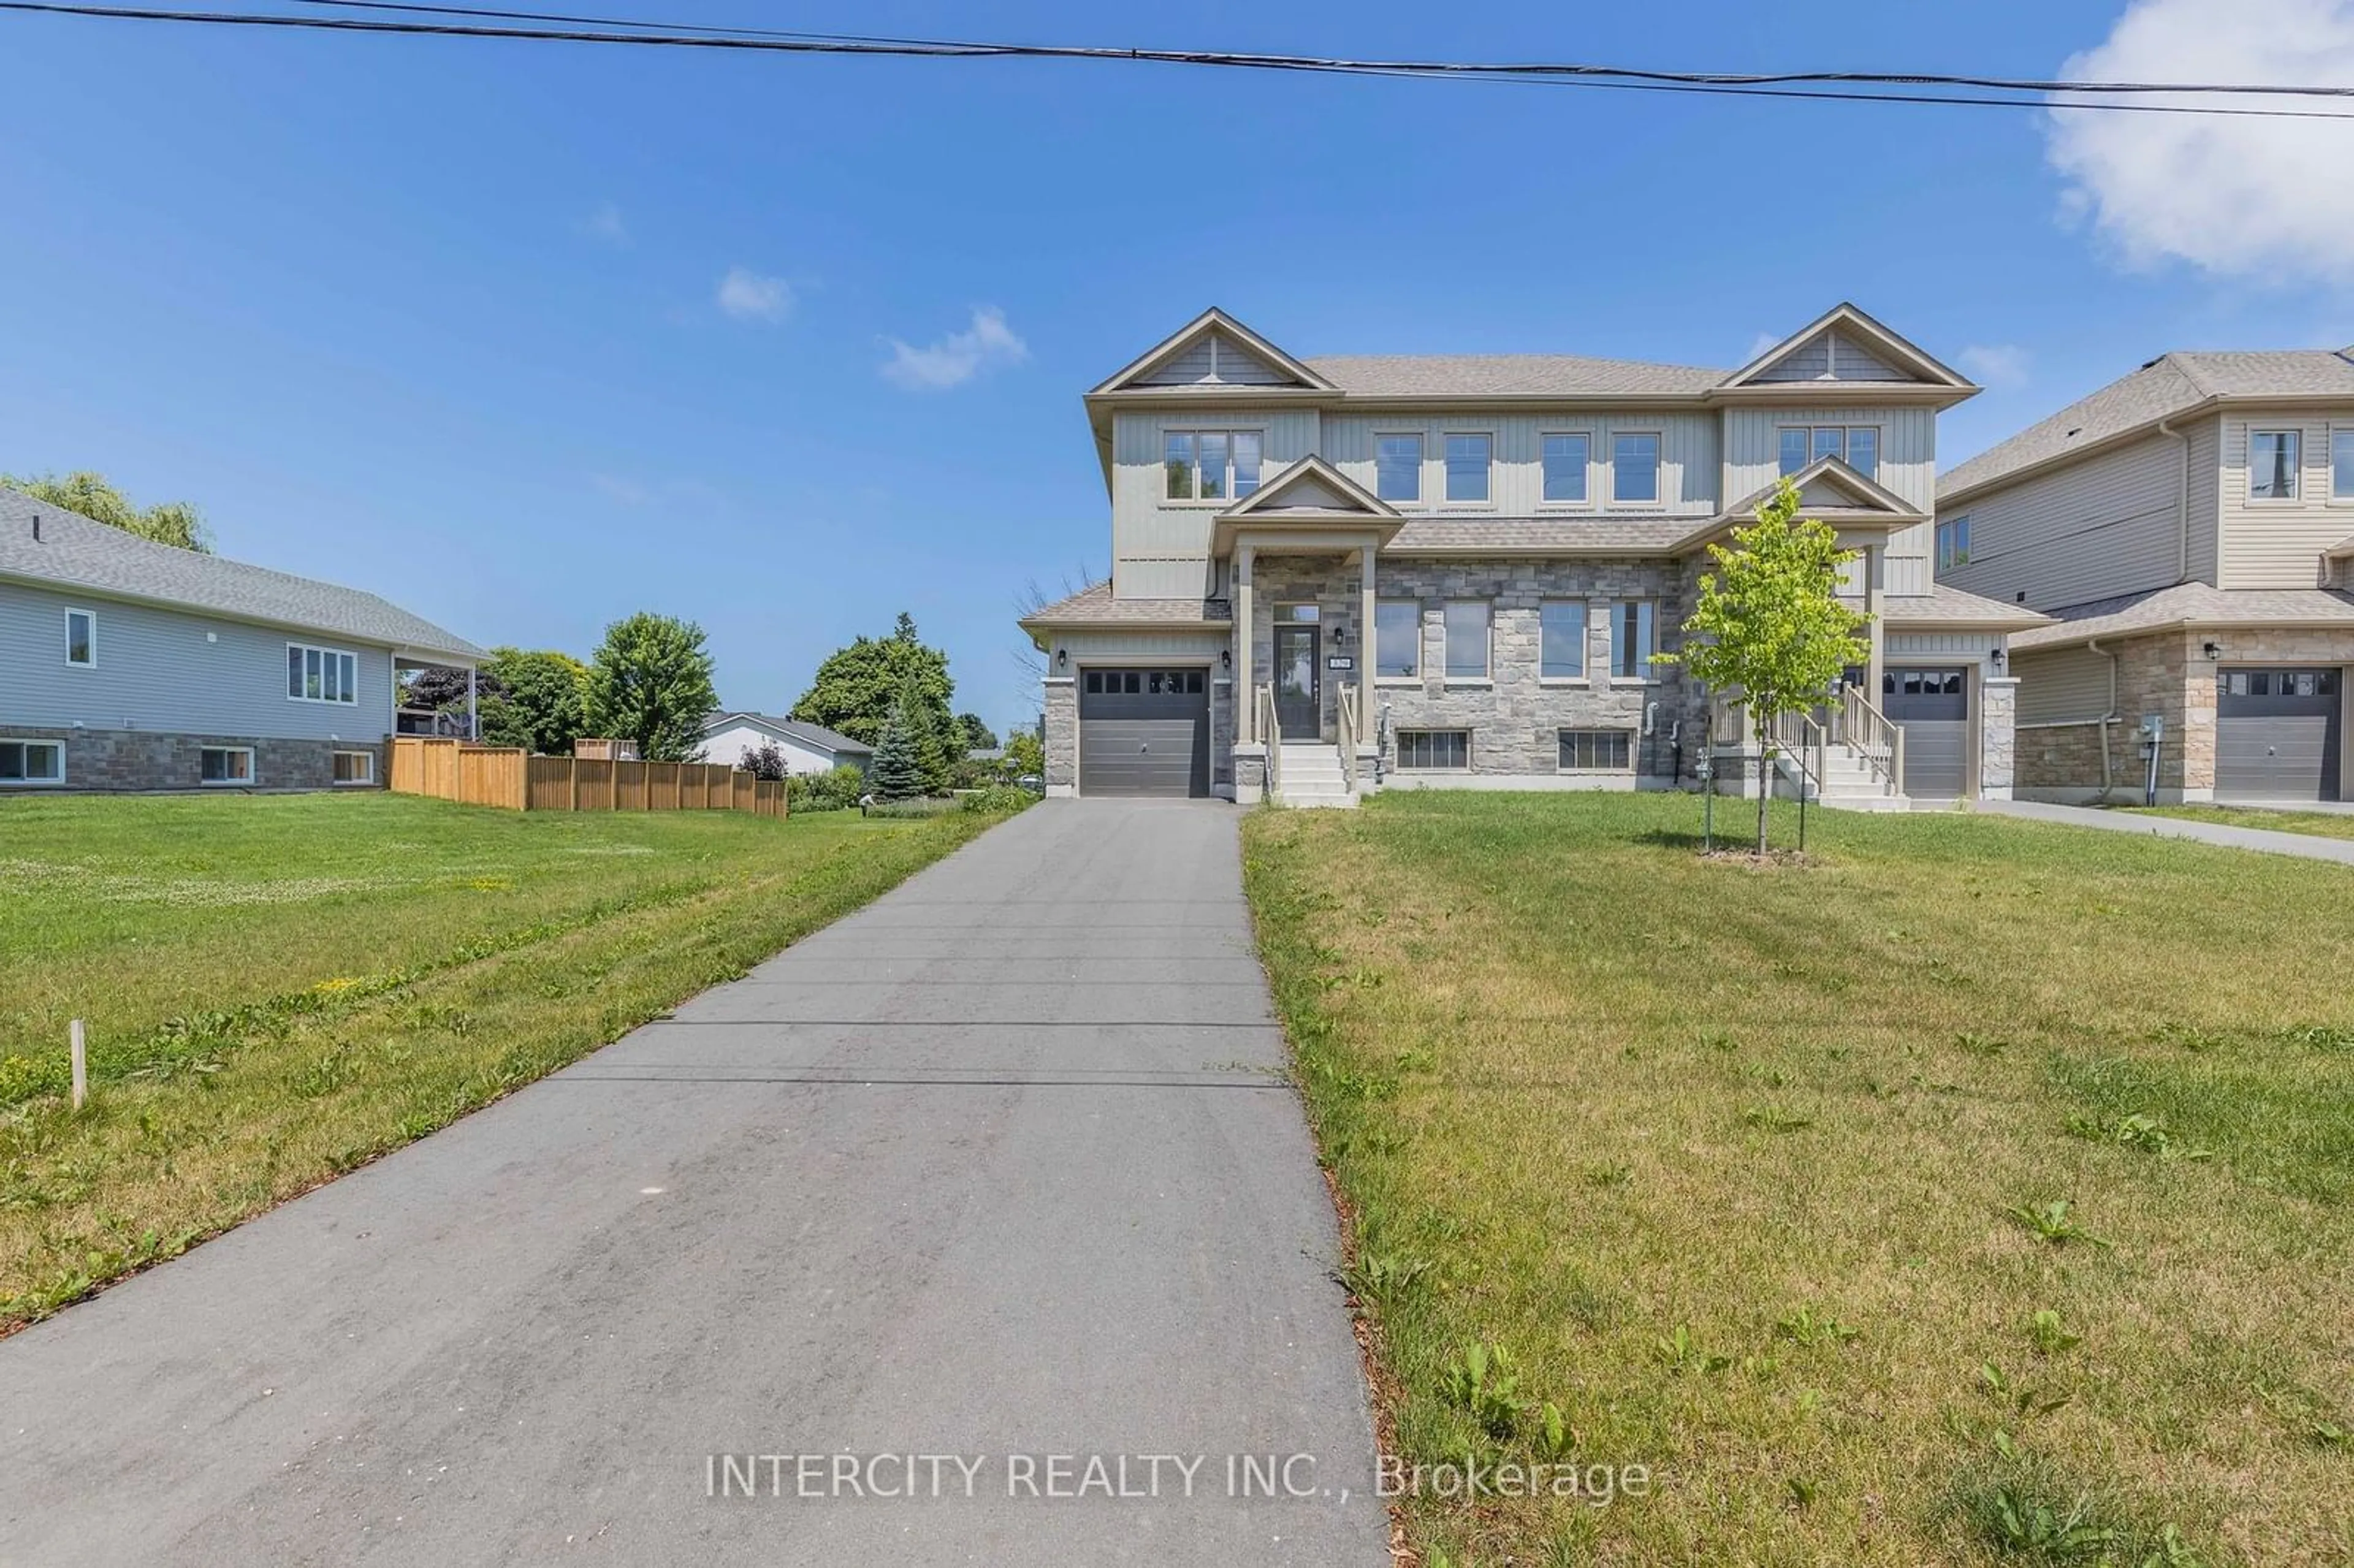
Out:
{"x": 279, "y": 988}
{"x": 2326, "y": 824}
{"x": 1725, "y": 1160}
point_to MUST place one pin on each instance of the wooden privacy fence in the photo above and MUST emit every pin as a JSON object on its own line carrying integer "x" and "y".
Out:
{"x": 512, "y": 779}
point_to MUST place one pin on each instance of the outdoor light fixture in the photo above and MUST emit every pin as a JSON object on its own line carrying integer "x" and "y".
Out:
{"x": 2213, "y": 652}
{"x": 1225, "y": 658}
{"x": 1997, "y": 656}
{"x": 1062, "y": 658}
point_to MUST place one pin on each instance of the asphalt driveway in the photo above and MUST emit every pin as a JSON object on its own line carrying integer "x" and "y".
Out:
{"x": 994, "y": 1174}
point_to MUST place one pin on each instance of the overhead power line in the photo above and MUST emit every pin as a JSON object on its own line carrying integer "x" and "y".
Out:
{"x": 1860, "y": 87}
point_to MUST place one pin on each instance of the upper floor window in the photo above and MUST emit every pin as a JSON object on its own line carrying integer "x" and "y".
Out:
{"x": 1858, "y": 446}
{"x": 1466, "y": 466}
{"x": 1565, "y": 456}
{"x": 1397, "y": 467}
{"x": 1635, "y": 467}
{"x": 2341, "y": 464}
{"x": 1397, "y": 639}
{"x": 321, "y": 676}
{"x": 2271, "y": 465}
{"x": 1953, "y": 543}
{"x": 81, "y": 638}
{"x": 1211, "y": 465}
{"x": 1634, "y": 638}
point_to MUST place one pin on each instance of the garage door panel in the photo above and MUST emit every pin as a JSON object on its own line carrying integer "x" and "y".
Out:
{"x": 1931, "y": 705}
{"x": 1144, "y": 733}
{"x": 2278, "y": 734}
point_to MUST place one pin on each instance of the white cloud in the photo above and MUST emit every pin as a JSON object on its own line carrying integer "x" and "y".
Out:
{"x": 1995, "y": 363}
{"x": 606, "y": 224}
{"x": 958, "y": 357}
{"x": 2234, "y": 195}
{"x": 750, "y": 297}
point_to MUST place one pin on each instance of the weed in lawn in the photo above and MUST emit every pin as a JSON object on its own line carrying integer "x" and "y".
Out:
{"x": 1681, "y": 1353}
{"x": 1483, "y": 1383}
{"x": 1381, "y": 1278}
{"x": 1978, "y": 1044}
{"x": 2139, "y": 1131}
{"x": 1772, "y": 1118}
{"x": 1809, "y": 1327}
{"x": 2051, "y": 1337}
{"x": 2051, "y": 1223}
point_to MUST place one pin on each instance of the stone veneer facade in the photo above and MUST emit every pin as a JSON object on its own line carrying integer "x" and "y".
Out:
{"x": 130, "y": 760}
{"x": 2169, "y": 674}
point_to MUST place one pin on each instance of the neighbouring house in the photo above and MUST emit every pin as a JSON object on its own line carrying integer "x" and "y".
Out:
{"x": 130, "y": 665}
{"x": 1332, "y": 574}
{"x": 2191, "y": 529}
{"x": 729, "y": 738}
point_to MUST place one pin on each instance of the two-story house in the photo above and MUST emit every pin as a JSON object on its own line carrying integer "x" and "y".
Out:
{"x": 127, "y": 664}
{"x": 1330, "y": 574}
{"x": 2191, "y": 527}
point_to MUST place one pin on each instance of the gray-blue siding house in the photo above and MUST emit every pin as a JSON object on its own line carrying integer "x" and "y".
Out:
{"x": 126, "y": 664}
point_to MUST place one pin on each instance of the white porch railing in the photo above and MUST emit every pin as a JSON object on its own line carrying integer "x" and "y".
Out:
{"x": 1868, "y": 734}
{"x": 1797, "y": 737}
{"x": 1351, "y": 700}
{"x": 1263, "y": 711}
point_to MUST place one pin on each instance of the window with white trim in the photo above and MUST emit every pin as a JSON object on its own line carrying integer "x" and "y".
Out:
{"x": 225, "y": 765}
{"x": 2342, "y": 465}
{"x": 1561, "y": 640}
{"x": 321, "y": 674}
{"x": 1953, "y": 543}
{"x": 1467, "y": 640}
{"x": 1397, "y": 467}
{"x": 1397, "y": 639}
{"x": 1634, "y": 638}
{"x": 1434, "y": 750}
{"x": 1597, "y": 750}
{"x": 1858, "y": 446}
{"x": 2271, "y": 465}
{"x": 1211, "y": 465}
{"x": 1635, "y": 466}
{"x": 355, "y": 766}
{"x": 81, "y": 639}
{"x": 1468, "y": 453}
{"x": 1566, "y": 454}
{"x": 32, "y": 762}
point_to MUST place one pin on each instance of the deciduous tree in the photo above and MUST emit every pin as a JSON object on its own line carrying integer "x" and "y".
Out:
{"x": 651, "y": 683}
{"x": 858, "y": 687}
{"x": 1770, "y": 625}
{"x": 534, "y": 700}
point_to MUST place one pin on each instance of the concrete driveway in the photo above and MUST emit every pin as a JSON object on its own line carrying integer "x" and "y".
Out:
{"x": 992, "y": 1175}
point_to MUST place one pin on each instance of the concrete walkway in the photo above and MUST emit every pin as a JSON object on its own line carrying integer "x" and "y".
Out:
{"x": 995, "y": 1169}
{"x": 2307, "y": 845}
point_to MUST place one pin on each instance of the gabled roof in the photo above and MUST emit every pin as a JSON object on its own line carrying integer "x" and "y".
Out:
{"x": 76, "y": 553}
{"x": 810, "y": 735}
{"x": 1828, "y": 491}
{"x": 1094, "y": 606}
{"x": 2170, "y": 385}
{"x": 1211, "y": 325}
{"x": 1310, "y": 488}
{"x": 1843, "y": 324}
{"x": 2190, "y": 607}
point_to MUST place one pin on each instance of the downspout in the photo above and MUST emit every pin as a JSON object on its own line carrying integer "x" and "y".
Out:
{"x": 2181, "y": 511}
{"x": 2108, "y": 719}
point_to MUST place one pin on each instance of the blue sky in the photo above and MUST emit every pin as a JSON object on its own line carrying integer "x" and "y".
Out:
{"x": 454, "y": 321}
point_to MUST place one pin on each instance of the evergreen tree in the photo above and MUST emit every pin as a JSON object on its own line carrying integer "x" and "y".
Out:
{"x": 897, "y": 773}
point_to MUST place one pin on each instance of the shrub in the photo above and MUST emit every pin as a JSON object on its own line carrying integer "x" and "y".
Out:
{"x": 836, "y": 791}
{"x": 998, "y": 797}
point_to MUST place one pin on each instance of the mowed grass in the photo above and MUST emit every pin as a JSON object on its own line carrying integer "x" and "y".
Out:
{"x": 277, "y": 989}
{"x": 1726, "y": 1160}
{"x": 2326, "y": 824}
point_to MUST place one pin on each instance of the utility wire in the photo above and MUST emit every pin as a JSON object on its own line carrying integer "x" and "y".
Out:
{"x": 1832, "y": 86}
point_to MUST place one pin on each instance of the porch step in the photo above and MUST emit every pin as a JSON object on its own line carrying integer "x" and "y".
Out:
{"x": 1844, "y": 780}
{"x": 1309, "y": 774}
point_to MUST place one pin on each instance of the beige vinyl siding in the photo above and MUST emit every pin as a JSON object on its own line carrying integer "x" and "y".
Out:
{"x": 1141, "y": 647}
{"x": 2206, "y": 439}
{"x": 2278, "y": 544}
{"x": 1832, "y": 355}
{"x": 1908, "y": 446}
{"x": 2067, "y": 685}
{"x": 1977, "y": 647}
{"x": 1688, "y": 458}
{"x": 2105, "y": 525}
{"x": 1161, "y": 548}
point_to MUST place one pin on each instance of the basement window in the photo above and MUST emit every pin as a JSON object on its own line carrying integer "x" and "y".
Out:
{"x": 1434, "y": 750}
{"x": 225, "y": 765}
{"x": 355, "y": 767}
{"x": 1597, "y": 750}
{"x": 32, "y": 762}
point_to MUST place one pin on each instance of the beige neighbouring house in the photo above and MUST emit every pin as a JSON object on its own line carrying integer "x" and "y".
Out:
{"x": 1339, "y": 573}
{"x": 2191, "y": 529}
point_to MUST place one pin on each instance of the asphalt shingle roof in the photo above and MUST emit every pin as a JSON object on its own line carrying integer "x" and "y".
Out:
{"x": 815, "y": 734}
{"x": 1945, "y": 605}
{"x": 1547, "y": 535}
{"x": 1507, "y": 376}
{"x": 2166, "y": 385}
{"x": 75, "y": 552}
{"x": 2189, "y": 604}
{"x": 1094, "y": 605}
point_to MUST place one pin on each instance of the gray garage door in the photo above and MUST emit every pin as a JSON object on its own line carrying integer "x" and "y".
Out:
{"x": 1144, "y": 732}
{"x": 2276, "y": 734}
{"x": 1932, "y": 706}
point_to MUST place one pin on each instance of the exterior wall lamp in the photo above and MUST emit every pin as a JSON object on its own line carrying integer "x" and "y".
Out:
{"x": 2213, "y": 650}
{"x": 1997, "y": 656}
{"x": 1225, "y": 658}
{"x": 1062, "y": 658}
